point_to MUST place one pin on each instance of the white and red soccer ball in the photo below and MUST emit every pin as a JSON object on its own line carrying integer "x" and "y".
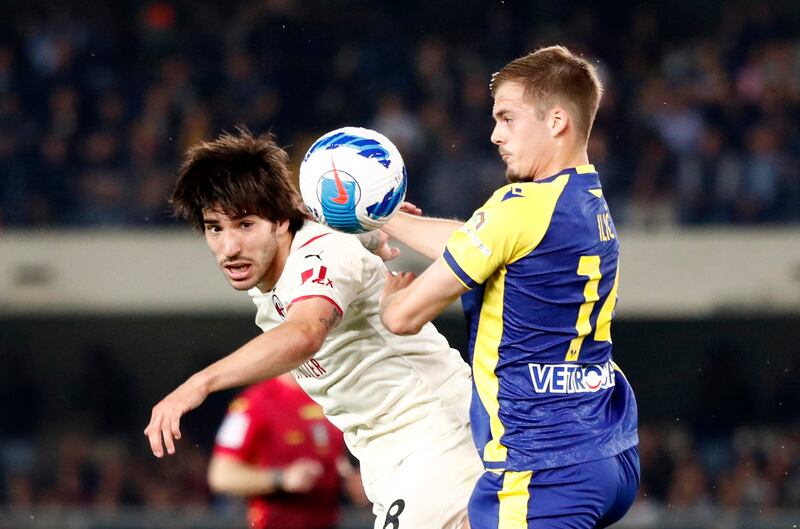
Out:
{"x": 353, "y": 179}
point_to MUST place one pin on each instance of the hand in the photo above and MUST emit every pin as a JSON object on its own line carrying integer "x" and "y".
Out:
{"x": 384, "y": 251}
{"x": 301, "y": 476}
{"x": 354, "y": 488}
{"x": 165, "y": 421}
{"x": 411, "y": 209}
{"x": 377, "y": 242}
{"x": 396, "y": 281}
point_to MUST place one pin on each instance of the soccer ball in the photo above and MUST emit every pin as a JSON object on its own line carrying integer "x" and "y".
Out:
{"x": 353, "y": 179}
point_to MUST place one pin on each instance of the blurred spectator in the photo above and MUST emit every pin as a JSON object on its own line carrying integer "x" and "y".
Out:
{"x": 688, "y": 488}
{"x": 763, "y": 165}
{"x": 104, "y": 190}
{"x": 276, "y": 449}
{"x": 455, "y": 180}
{"x": 13, "y": 186}
{"x": 398, "y": 124}
{"x": 51, "y": 197}
{"x": 652, "y": 204}
{"x": 707, "y": 179}
{"x": 114, "y": 484}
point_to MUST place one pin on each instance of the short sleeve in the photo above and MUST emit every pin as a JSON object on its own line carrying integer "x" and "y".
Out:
{"x": 509, "y": 226}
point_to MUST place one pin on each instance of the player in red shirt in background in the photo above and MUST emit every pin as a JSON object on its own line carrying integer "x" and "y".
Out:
{"x": 276, "y": 448}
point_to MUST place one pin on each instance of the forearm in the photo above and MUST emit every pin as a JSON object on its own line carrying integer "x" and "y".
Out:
{"x": 265, "y": 356}
{"x": 406, "y": 310}
{"x": 400, "y": 316}
{"x": 228, "y": 476}
{"x": 425, "y": 235}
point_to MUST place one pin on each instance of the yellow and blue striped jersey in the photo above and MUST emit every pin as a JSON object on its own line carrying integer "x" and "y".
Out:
{"x": 540, "y": 260}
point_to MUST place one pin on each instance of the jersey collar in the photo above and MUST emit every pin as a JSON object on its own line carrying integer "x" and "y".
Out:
{"x": 580, "y": 169}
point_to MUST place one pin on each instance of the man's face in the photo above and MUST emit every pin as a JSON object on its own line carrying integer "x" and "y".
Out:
{"x": 521, "y": 136}
{"x": 244, "y": 247}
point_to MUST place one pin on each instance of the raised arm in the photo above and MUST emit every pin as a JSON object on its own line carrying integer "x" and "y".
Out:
{"x": 407, "y": 303}
{"x": 425, "y": 235}
{"x": 266, "y": 356}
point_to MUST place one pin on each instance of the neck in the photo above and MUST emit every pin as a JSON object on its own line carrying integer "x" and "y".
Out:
{"x": 275, "y": 270}
{"x": 563, "y": 159}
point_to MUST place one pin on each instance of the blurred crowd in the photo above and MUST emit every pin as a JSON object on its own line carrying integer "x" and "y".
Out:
{"x": 74, "y": 470}
{"x": 757, "y": 470}
{"x": 699, "y": 123}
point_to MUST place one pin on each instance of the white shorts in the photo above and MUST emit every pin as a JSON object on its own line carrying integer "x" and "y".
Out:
{"x": 429, "y": 489}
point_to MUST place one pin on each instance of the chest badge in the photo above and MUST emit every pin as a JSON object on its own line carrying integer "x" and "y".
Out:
{"x": 279, "y": 308}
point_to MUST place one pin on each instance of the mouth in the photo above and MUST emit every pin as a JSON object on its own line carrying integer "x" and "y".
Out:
{"x": 505, "y": 156}
{"x": 237, "y": 271}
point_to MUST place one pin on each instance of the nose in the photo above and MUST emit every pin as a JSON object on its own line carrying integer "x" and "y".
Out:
{"x": 231, "y": 246}
{"x": 496, "y": 137}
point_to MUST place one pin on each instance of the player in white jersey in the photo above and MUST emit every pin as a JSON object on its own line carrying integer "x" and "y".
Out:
{"x": 401, "y": 401}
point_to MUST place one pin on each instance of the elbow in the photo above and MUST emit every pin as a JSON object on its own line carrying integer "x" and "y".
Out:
{"x": 312, "y": 343}
{"x": 217, "y": 485}
{"x": 218, "y": 482}
{"x": 400, "y": 324}
{"x": 309, "y": 341}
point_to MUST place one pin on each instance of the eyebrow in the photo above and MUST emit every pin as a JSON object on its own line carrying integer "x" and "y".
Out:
{"x": 500, "y": 112}
{"x": 208, "y": 220}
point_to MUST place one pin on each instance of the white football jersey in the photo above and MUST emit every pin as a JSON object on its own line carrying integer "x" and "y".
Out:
{"x": 385, "y": 392}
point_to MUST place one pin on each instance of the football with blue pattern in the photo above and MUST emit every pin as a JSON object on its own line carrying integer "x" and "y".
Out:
{"x": 353, "y": 179}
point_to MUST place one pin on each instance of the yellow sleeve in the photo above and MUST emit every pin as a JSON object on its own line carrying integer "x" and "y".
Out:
{"x": 508, "y": 227}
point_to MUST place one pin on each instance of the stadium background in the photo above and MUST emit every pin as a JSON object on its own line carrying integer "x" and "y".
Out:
{"x": 106, "y": 303}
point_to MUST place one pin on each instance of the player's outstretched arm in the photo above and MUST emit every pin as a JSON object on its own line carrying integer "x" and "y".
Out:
{"x": 377, "y": 241}
{"x": 266, "y": 356}
{"x": 425, "y": 235}
{"x": 232, "y": 476}
{"x": 408, "y": 303}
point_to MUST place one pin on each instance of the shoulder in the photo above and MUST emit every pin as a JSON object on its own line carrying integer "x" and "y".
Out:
{"x": 520, "y": 203}
{"x": 320, "y": 245}
{"x": 522, "y": 195}
{"x": 517, "y": 216}
{"x": 314, "y": 236}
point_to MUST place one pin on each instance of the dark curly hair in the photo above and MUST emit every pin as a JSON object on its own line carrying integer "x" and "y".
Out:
{"x": 238, "y": 174}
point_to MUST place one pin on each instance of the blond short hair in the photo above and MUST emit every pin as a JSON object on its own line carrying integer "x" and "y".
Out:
{"x": 555, "y": 76}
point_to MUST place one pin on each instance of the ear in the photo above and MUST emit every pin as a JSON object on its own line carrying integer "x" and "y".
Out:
{"x": 557, "y": 121}
{"x": 282, "y": 227}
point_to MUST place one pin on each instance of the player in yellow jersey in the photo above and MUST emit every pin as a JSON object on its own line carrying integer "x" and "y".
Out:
{"x": 552, "y": 416}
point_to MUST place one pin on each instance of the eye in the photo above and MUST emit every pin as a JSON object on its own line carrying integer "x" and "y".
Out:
{"x": 247, "y": 224}
{"x": 508, "y": 119}
{"x": 213, "y": 228}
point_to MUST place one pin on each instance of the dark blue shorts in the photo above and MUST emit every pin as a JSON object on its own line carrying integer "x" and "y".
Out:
{"x": 584, "y": 496}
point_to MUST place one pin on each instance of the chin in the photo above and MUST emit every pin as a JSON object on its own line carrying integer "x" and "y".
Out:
{"x": 512, "y": 177}
{"x": 515, "y": 178}
{"x": 243, "y": 285}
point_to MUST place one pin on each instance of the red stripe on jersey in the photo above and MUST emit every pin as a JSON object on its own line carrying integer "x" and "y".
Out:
{"x": 312, "y": 239}
{"x": 301, "y": 298}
